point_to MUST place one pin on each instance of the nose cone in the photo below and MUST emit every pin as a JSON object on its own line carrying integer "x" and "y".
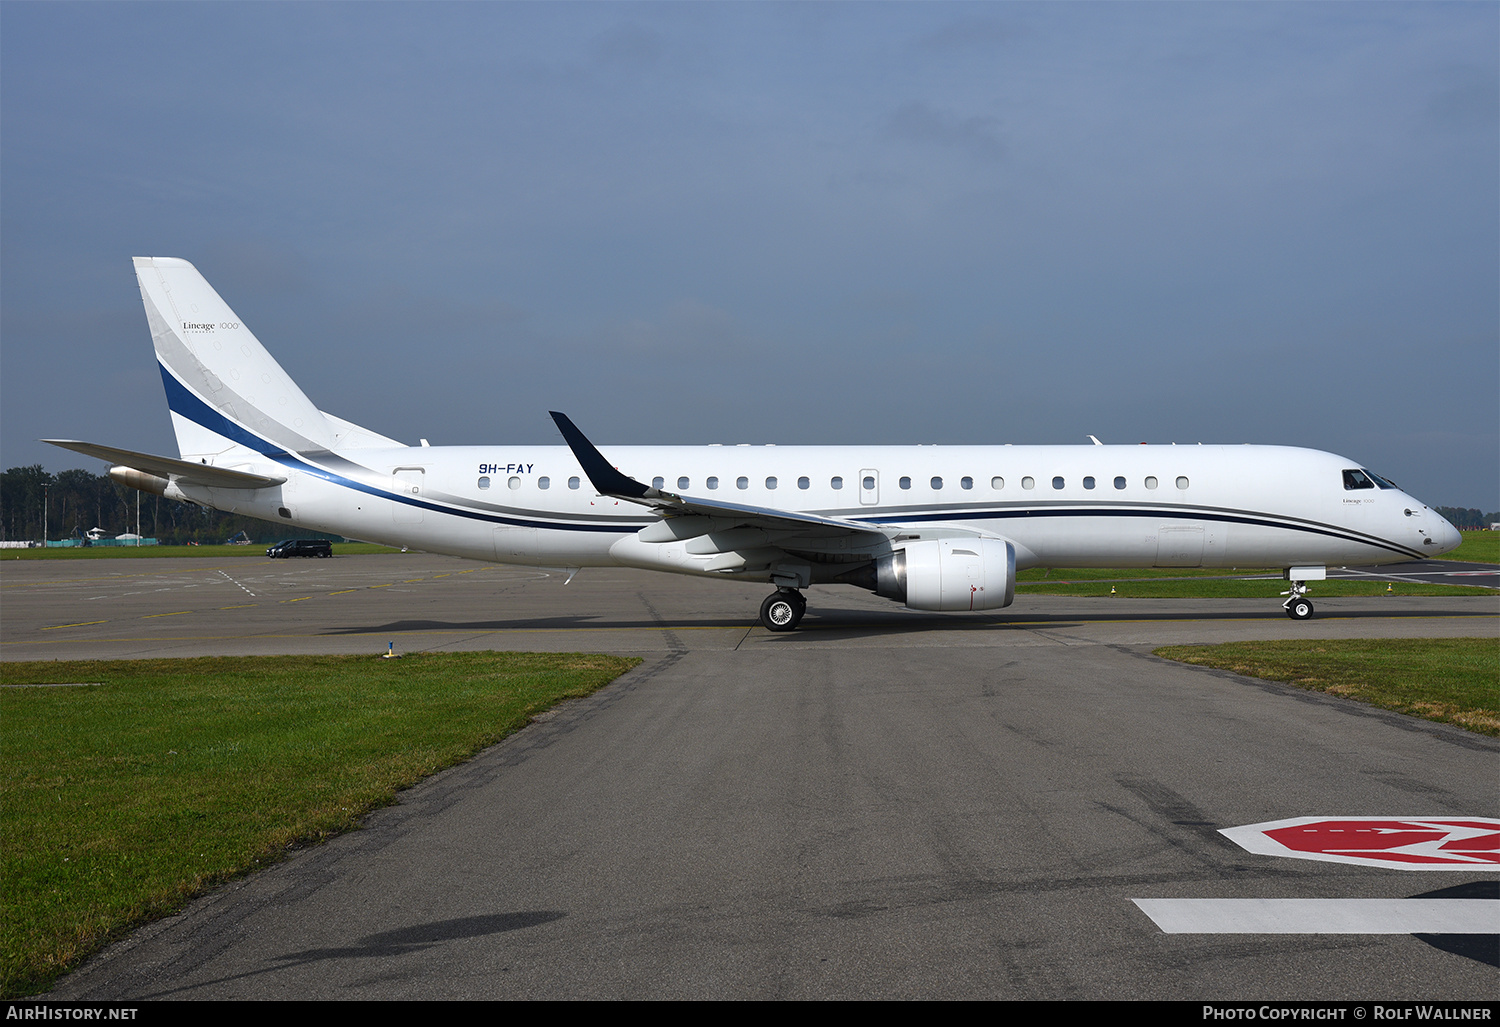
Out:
{"x": 1446, "y": 535}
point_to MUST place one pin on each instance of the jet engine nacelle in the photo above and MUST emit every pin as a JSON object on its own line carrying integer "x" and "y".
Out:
{"x": 949, "y": 574}
{"x": 147, "y": 482}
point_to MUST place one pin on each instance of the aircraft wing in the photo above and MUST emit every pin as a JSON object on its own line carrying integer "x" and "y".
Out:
{"x": 184, "y": 471}
{"x": 695, "y": 515}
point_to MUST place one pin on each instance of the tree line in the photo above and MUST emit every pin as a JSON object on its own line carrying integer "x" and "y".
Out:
{"x": 1466, "y": 518}
{"x": 78, "y": 500}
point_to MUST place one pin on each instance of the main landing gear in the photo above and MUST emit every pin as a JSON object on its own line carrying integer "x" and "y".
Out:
{"x": 782, "y": 610}
{"x": 1297, "y": 605}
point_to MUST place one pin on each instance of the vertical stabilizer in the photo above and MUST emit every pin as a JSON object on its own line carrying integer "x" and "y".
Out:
{"x": 223, "y": 388}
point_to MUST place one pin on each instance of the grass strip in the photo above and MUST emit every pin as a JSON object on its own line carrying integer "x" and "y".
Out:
{"x": 1232, "y": 588}
{"x": 146, "y": 782}
{"x": 1055, "y": 574}
{"x": 160, "y": 552}
{"x": 1477, "y": 547}
{"x": 1452, "y": 680}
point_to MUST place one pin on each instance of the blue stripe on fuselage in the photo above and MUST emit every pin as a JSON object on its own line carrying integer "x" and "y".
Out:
{"x": 1181, "y": 514}
{"x": 185, "y": 403}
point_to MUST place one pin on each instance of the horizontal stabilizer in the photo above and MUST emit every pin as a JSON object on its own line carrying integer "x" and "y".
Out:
{"x": 184, "y": 471}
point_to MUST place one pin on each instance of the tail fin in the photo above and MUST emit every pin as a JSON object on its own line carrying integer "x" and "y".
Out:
{"x": 223, "y": 388}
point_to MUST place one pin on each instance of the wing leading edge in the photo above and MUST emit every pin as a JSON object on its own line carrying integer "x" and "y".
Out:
{"x": 942, "y": 567}
{"x": 184, "y": 471}
{"x": 697, "y": 515}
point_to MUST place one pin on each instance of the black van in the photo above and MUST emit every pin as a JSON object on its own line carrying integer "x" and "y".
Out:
{"x": 301, "y": 547}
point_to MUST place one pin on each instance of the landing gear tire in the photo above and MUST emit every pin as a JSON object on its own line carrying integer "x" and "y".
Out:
{"x": 782, "y": 610}
{"x": 1300, "y": 609}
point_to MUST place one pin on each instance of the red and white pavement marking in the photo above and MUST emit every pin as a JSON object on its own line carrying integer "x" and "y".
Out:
{"x": 1404, "y": 843}
{"x": 1394, "y": 843}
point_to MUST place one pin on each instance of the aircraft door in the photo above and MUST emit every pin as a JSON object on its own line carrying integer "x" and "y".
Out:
{"x": 869, "y": 487}
{"x": 1179, "y": 545}
{"x": 407, "y": 482}
{"x": 514, "y": 544}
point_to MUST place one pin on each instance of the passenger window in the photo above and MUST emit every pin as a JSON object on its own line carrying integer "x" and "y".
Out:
{"x": 803, "y": 483}
{"x": 1357, "y": 480}
{"x": 1088, "y": 482}
{"x": 572, "y": 483}
{"x": 1028, "y": 482}
{"x": 837, "y": 483}
{"x": 544, "y": 483}
{"x": 1057, "y": 482}
{"x": 1119, "y": 483}
{"x": 1150, "y": 482}
{"x": 1182, "y": 481}
{"x": 682, "y": 484}
{"x": 771, "y": 482}
{"x": 997, "y": 483}
{"x": 514, "y": 484}
{"x": 484, "y": 482}
{"x": 869, "y": 482}
{"x": 936, "y": 483}
{"x": 658, "y": 482}
{"x": 742, "y": 483}
{"x": 713, "y": 483}
{"x": 966, "y": 482}
{"x": 905, "y": 483}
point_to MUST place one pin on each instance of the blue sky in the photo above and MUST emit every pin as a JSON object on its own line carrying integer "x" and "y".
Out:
{"x": 790, "y": 223}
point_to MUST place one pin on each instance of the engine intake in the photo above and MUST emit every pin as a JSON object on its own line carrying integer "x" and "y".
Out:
{"x": 949, "y": 574}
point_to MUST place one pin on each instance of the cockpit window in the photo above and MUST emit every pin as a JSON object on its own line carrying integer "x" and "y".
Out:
{"x": 1357, "y": 480}
{"x": 1382, "y": 482}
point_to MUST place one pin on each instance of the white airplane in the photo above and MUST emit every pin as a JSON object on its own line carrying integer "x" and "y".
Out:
{"x": 933, "y": 527}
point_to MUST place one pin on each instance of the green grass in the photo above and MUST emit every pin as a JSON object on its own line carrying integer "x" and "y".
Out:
{"x": 123, "y": 799}
{"x": 1452, "y": 680}
{"x": 1115, "y": 573}
{"x": 1477, "y": 547}
{"x": 143, "y": 552}
{"x": 1128, "y": 587}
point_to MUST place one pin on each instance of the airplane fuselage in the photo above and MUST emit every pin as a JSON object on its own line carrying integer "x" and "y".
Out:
{"x": 933, "y": 527}
{"x": 1063, "y": 506}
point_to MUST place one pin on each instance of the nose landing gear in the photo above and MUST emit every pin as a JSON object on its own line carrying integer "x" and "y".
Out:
{"x": 1297, "y": 605}
{"x": 782, "y": 610}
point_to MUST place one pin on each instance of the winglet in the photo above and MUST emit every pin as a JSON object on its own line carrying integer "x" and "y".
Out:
{"x": 604, "y": 477}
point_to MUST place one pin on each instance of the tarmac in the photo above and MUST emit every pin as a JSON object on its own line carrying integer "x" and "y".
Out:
{"x": 882, "y": 804}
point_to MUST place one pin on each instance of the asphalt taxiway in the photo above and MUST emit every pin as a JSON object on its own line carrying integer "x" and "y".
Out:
{"x": 881, "y": 804}
{"x": 120, "y": 609}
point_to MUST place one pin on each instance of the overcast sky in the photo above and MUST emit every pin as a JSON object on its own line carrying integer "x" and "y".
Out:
{"x": 790, "y": 223}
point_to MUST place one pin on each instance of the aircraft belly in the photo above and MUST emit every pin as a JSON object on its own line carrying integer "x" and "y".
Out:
{"x": 515, "y": 544}
{"x": 551, "y": 547}
{"x": 673, "y": 557}
{"x": 1084, "y": 542}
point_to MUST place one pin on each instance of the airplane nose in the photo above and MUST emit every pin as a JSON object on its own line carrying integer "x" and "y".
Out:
{"x": 1448, "y": 537}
